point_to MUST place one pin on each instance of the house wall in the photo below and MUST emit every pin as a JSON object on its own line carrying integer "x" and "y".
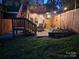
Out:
{"x": 36, "y": 17}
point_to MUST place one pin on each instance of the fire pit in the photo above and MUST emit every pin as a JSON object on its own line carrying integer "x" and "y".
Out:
{"x": 58, "y": 33}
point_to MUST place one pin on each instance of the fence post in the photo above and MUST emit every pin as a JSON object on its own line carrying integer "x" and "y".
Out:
{"x": 13, "y": 33}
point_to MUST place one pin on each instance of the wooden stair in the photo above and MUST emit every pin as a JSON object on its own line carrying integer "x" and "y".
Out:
{"x": 23, "y": 26}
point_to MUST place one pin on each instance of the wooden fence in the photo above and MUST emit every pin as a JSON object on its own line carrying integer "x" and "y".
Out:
{"x": 68, "y": 20}
{"x": 5, "y": 26}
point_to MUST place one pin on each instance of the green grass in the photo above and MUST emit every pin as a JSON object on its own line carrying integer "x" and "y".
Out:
{"x": 40, "y": 48}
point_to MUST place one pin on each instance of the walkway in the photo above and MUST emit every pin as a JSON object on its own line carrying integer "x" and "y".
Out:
{"x": 42, "y": 34}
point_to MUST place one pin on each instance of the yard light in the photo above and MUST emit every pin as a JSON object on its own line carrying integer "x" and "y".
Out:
{"x": 48, "y": 15}
{"x": 55, "y": 12}
{"x": 65, "y": 8}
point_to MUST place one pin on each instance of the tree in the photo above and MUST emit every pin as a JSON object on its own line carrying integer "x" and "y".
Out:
{"x": 70, "y": 4}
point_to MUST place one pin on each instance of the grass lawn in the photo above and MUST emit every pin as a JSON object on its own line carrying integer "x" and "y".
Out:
{"x": 40, "y": 48}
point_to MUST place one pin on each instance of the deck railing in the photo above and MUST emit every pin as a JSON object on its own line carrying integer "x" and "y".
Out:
{"x": 23, "y": 25}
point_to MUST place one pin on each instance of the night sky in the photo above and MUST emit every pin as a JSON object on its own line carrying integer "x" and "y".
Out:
{"x": 45, "y": 1}
{"x": 0, "y": 1}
